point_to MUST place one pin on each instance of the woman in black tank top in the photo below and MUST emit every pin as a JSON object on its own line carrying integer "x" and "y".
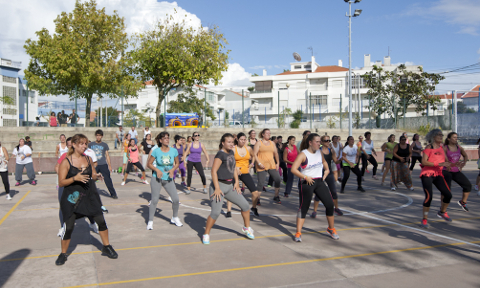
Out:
{"x": 399, "y": 165}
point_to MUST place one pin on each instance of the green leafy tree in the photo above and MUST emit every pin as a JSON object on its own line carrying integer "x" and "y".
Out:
{"x": 251, "y": 89}
{"x": 392, "y": 92}
{"x": 173, "y": 55}
{"x": 297, "y": 119}
{"x": 190, "y": 103}
{"x": 86, "y": 52}
{"x": 461, "y": 108}
{"x": 109, "y": 116}
{"x": 283, "y": 117}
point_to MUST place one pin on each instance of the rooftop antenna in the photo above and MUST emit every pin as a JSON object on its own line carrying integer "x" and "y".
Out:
{"x": 297, "y": 56}
{"x": 311, "y": 49}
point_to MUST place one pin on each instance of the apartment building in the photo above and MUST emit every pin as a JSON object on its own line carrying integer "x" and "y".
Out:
{"x": 14, "y": 99}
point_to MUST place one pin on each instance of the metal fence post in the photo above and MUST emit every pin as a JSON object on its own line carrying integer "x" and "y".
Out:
{"x": 243, "y": 112}
{"x": 310, "y": 106}
{"x": 278, "y": 109}
{"x": 340, "y": 111}
{"x": 404, "y": 112}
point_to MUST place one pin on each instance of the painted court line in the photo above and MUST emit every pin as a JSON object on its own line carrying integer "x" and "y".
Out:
{"x": 14, "y": 206}
{"x": 228, "y": 240}
{"x": 275, "y": 265}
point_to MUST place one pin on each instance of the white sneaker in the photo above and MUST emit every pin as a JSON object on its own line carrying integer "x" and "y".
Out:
{"x": 393, "y": 188}
{"x": 145, "y": 182}
{"x": 123, "y": 183}
{"x": 176, "y": 221}
{"x": 150, "y": 225}
{"x": 60, "y": 232}
{"x": 411, "y": 189}
{"x": 149, "y": 202}
{"x": 169, "y": 199}
{"x": 476, "y": 187}
{"x": 206, "y": 239}
{"x": 205, "y": 191}
{"x": 9, "y": 197}
{"x": 339, "y": 183}
{"x": 94, "y": 227}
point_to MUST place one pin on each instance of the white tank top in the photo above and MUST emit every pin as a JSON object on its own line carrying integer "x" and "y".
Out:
{"x": 313, "y": 165}
{"x": 3, "y": 161}
{"x": 338, "y": 153}
{"x": 62, "y": 151}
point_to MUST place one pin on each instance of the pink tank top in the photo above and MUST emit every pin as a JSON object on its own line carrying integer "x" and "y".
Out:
{"x": 453, "y": 157}
{"x": 291, "y": 155}
{"x": 133, "y": 153}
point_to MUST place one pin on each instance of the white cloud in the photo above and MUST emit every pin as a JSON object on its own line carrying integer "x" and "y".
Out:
{"x": 261, "y": 67}
{"x": 235, "y": 76}
{"x": 20, "y": 19}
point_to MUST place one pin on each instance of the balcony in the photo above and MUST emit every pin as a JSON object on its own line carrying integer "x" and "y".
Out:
{"x": 263, "y": 91}
{"x": 10, "y": 63}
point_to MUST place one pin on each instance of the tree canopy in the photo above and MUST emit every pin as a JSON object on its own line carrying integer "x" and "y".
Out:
{"x": 172, "y": 55}
{"x": 190, "y": 103}
{"x": 86, "y": 53}
{"x": 392, "y": 92}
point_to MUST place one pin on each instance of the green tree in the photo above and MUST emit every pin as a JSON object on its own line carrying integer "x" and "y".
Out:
{"x": 282, "y": 121}
{"x": 297, "y": 119}
{"x": 109, "y": 116}
{"x": 461, "y": 108}
{"x": 190, "y": 103}
{"x": 251, "y": 89}
{"x": 87, "y": 52}
{"x": 173, "y": 55}
{"x": 392, "y": 92}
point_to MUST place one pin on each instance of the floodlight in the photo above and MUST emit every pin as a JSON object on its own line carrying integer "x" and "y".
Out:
{"x": 357, "y": 1}
{"x": 346, "y": 1}
{"x": 357, "y": 12}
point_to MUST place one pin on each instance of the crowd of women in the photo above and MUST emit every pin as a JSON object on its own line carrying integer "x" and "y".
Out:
{"x": 319, "y": 162}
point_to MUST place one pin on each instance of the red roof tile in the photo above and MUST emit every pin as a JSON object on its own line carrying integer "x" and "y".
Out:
{"x": 472, "y": 94}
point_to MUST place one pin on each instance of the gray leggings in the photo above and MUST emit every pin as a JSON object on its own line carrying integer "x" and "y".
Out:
{"x": 19, "y": 171}
{"x": 262, "y": 175}
{"x": 156, "y": 186}
{"x": 231, "y": 195}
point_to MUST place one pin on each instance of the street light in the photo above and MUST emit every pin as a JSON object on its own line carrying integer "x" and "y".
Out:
{"x": 349, "y": 15}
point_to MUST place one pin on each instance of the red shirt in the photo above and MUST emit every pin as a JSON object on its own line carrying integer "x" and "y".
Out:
{"x": 436, "y": 156}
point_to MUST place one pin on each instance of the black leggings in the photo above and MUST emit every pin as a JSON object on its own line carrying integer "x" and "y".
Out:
{"x": 69, "y": 225}
{"x": 6, "y": 184}
{"x": 346, "y": 174}
{"x": 415, "y": 159}
{"x": 330, "y": 180}
{"x": 321, "y": 191}
{"x": 130, "y": 166}
{"x": 199, "y": 167}
{"x": 372, "y": 160}
{"x": 248, "y": 181}
{"x": 441, "y": 185}
{"x": 459, "y": 178}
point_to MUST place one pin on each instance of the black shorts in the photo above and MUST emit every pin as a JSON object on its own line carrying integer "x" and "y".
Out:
{"x": 248, "y": 181}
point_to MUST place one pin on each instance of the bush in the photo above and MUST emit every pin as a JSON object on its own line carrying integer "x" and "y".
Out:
{"x": 295, "y": 124}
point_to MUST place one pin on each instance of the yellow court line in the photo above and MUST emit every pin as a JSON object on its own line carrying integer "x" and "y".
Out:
{"x": 14, "y": 206}
{"x": 274, "y": 265}
{"x": 225, "y": 240}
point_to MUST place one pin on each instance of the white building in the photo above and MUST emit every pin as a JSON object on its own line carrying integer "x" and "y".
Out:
{"x": 238, "y": 105}
{"x": 14, "y": 114}
{"x": 314, "y": 89}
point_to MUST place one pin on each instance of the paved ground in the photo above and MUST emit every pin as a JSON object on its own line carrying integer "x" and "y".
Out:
{"x": 380, "y": 242}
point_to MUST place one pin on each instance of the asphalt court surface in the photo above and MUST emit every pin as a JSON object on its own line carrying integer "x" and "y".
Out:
{"x": 381, "y": 243}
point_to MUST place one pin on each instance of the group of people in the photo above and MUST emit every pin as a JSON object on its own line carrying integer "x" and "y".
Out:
{"x": 61, "y": 118}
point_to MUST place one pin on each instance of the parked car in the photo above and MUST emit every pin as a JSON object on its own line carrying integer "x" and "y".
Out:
{"x": 235, "y": 124}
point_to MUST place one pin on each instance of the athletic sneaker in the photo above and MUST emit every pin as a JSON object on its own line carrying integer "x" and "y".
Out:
{"x": 62, "y": 258}
{"x": 424, "y": 224}
{"x": 313, "y": 215}
{"x": 476, "y": 187}
{"x": 104, "y": 210}
{"x": 114, "y": 197}
{"x": 338, "y": 212}
{"x": 109, "y": 252}
{"x": 33, "y": 183}
{"x": 400, "y": 183}
{"x": 150, "y": 225}
{"x": 444, "y": 215}
{"x": 176, "y": 221}
{"x": 187, "y": 192}
{"x": 411, "y": 189}
{"x": 375, "y": 177}
{"x": 9, "y": 197}
{"x": 184, "y": 184}
{"x": 276, "y": 200}
{"x": 269, "y": 186}
{"x": 18, "y": 184}
{"x": 94, "y": 227}
{"x": 123, "y": 183}
{"x": 285, "y": 195}
{"x": 255, "y": 211}
{"x": 60, "y": 232}
{"x": 145, "y": 182}
{"x": 361, "y": 189}
{"x": 284, "y": 183}
{"x": 205, "y": 191}
{"x": 393, "y": 188}
{"x": 298, "y": 237}
{"x": 463, "y": 205}
{"x": 249, "y": 232}
{"x": 228, "y": 215}
{"x": 333, "y": 233}
{"x": 339, "y": 183}
{"x": 149, "y": 202}
{"x": 206, "y": 239}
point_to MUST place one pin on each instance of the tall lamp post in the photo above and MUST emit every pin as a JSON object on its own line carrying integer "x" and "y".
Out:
{"x": 349, "y": 15}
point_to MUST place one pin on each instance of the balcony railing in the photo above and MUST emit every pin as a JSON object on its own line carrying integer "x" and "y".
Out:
{"x": 6, "y": 62}
{"x": 262, "y": 91}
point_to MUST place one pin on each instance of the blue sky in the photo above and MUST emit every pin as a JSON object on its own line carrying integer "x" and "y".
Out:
{"x": 440, "y": 35}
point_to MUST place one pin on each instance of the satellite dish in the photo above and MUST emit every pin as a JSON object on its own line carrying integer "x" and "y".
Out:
{"x": 297, "y": 56}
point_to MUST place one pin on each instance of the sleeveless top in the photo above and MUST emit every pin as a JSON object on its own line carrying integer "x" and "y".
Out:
{"x": 313, "y": 164}
{"x": 403, "y": 153}
{"x": 328, "y": 157}
{"x": 390, "y": 146}
{"x": 453, "y": 157}
{"x": 291, "y": 155}
{"x": 53, "y": 121}
{"x": 265, "y": 156}
{"x": 337, "y": 150}
{"x": 180, "y": 152}
{"x": 435, "y": 156}
{"x": 133, "y": 153}
{"x": 242, "y": 162}
{"x": 61, "y": 150}
{"x": 416, "y": 147}
{"x": 250, "y": 144}
{"x": 3, "y": 161}
{"x": 195, "y": 153}
{"x": 146, "y": 147}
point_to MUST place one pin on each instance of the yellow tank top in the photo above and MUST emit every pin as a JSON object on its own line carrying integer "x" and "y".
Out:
{"x": 242, "y": 162}
{"x": 266, "y": 156}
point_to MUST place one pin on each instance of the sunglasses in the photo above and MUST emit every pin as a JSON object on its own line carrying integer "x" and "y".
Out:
{"x": 198, "y": 135}
{"x": 327, "y": 140}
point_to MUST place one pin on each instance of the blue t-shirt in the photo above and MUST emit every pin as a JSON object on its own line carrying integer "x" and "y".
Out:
{"x": 164, "y": 161}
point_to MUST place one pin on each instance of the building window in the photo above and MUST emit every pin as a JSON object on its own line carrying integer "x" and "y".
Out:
{"x": 7, "y": 79}
{"x": 10, "y": 92}
{"x": 10, "y": 122}
{"x": 319, "y": 100}
{"x": 297, "y": 67}
{"x": 307, "y": 66}
{"x": 210, "y": 97}
{"x": 9, "y": 111}
{"x": 263, "y": 86}
{"x": 337, "y": 83}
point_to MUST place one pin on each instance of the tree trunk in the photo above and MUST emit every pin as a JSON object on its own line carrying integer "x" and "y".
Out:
{"x": 87, "y": 110}
{"x": 159, "y": 106}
